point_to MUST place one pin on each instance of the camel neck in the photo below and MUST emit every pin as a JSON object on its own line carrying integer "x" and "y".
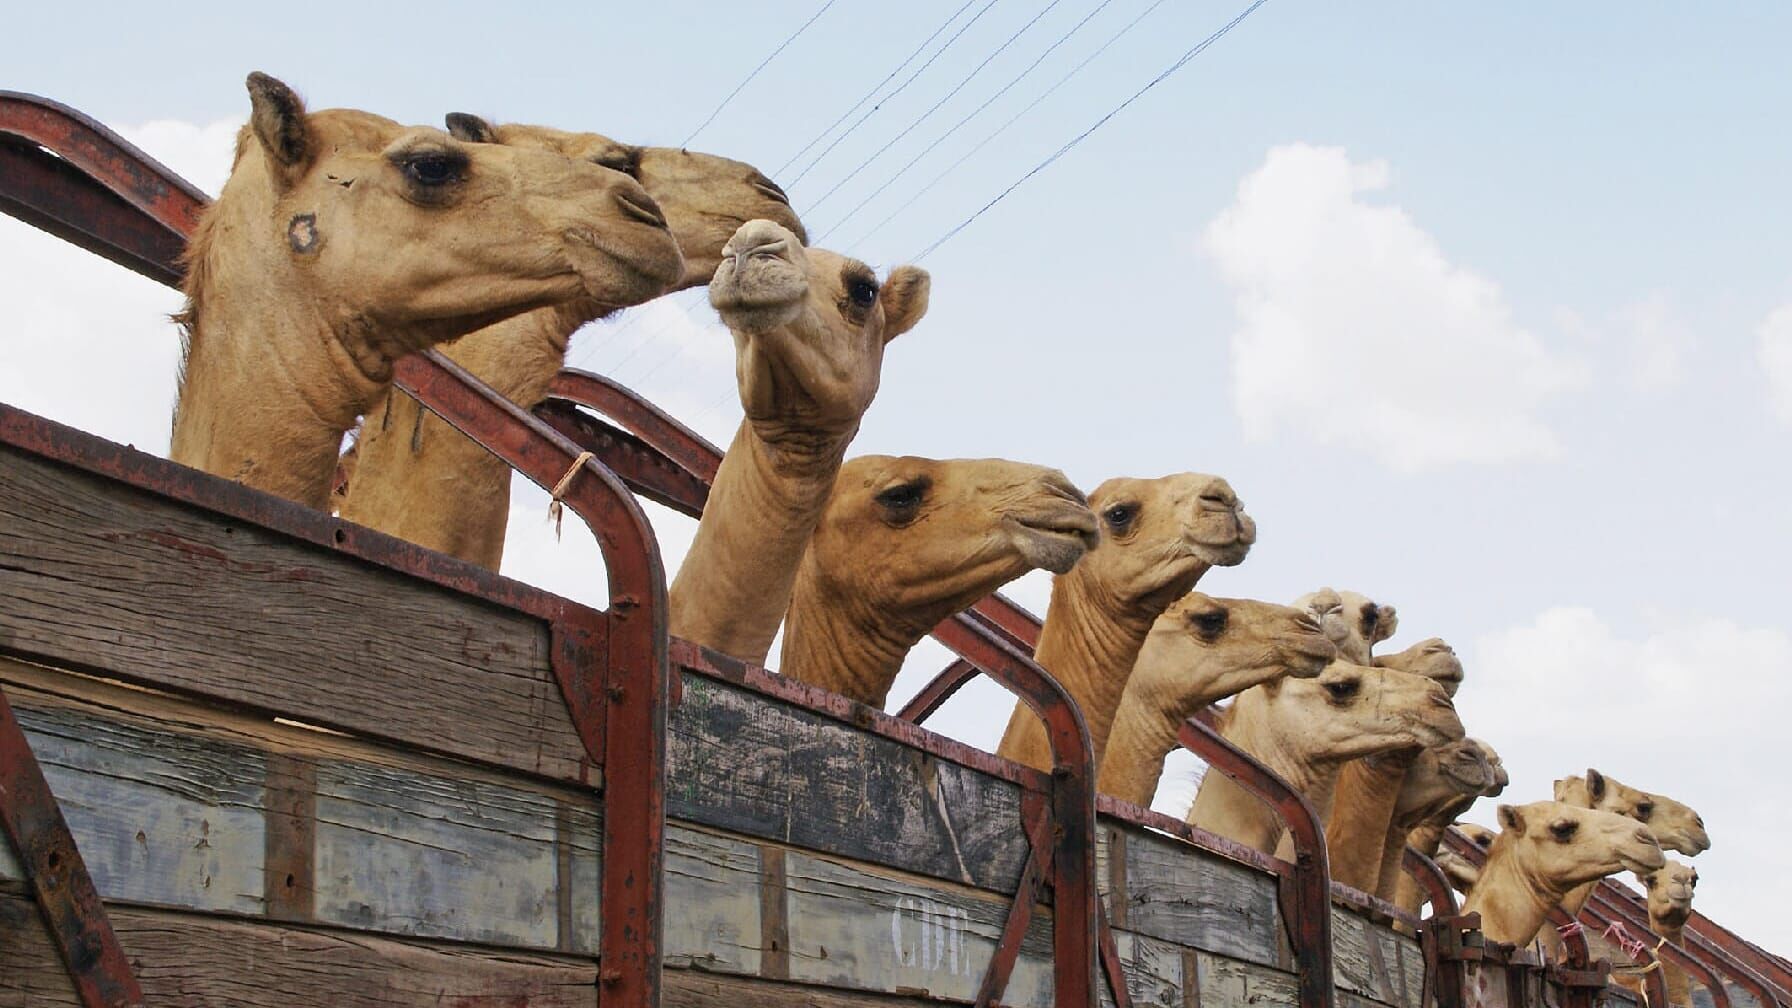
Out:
{"x": 1223, "y": 807}
{"x": 736, "y": 581}
{"x": 1144, "y": 734}
{"x": 1513, "y": 902}
{"x": 831, "y": 639}
{"x": 1089, "y": 643}
{"x": 1362, "y": 816}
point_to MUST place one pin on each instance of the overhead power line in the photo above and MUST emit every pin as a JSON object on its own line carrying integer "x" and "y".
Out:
{"x": 899, "y": 89}
{"x": 943, "y": 137}
{"x": 749, "y": 78}
{"x": 1099, "y": 123}
{"x": 923, "y": 117}
{"x": 999, "y": 130}
{"x": 819, "y": 137}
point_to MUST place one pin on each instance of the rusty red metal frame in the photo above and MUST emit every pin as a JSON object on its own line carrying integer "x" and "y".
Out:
{"x": 1675, "y": 954}
{"x": 1306, "y": 890}
{"x": 1431, "y": 878}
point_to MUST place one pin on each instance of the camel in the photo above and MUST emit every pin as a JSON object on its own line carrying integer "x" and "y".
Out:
{"x": 1675, "y": 826}
{"x": 1436, "y": 784}
{"x": 343, "y": 241}
{"x": 1352, "y": 620}
{"x": 1201, "y": 650}
{"x": 1363, "y": 807}
{"x": 1306, "y": 729}
{"x": 1670, "y": 890}
{"x": 1158, "y": 536}
{"x": 420, "y": 479}
{"x": 1544, "y": 849}
{"x": 809, "y": 333}
{"x": 1427, "y": 836}
{"x": 904, "y": 543}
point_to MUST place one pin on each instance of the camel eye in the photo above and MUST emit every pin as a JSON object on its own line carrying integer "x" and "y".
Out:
{"x": 434, "y": 170}
{"x": 862, "y": 292}
{"x": 1209, "y": 623}
{"x": 1215, "y": 502}
{"x": 1643, "y": 811}
{"x": 903, "y": 498}
{"x": 1120, "y": 515}
{"x": 1344, "y": 690}
{"x": 1564, "y": 831}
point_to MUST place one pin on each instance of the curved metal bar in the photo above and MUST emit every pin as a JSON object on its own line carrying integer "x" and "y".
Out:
{"x": 615, "y": 678}
{"x": 1432, "y": 879}
{"x": 1704, "y": 956}
{"x": 1308, "y": 890}
{"x": 1672, "y": 953}
{"x": 1771, "y": 968}
{"x": 1726, "y": 956}
{"x": 641, "y": 418}
{"x": 938, "y": 690}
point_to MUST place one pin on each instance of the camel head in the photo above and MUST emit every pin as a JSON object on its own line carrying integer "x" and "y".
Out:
{"x": 914, "y": 540}
{"x": 1158, "y": 536}
{"x": 1351, "y": 711}
{"x": 1670, "y": 890}
{"x": 1676, "y": 825}
{"x": 1561, "y": 845}
{"x": 1431, "y": 658}
{"x": 374, "y": 225}
{"x": 1353, "y": 621}
{"x": 705, "y": 198}
{"x": 1498, "y": 777}
{"x": 1477, "y": 834}
{"x": 809, "y": 331}
{"x": 1443, "y": 774}
{"x": 1203, "y": 649}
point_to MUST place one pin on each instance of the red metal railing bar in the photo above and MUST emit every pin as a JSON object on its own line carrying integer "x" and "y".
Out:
{"x": 1675, "y": 954}
{"x": 1432, "y": 879}
{"x": 1306, "y": 892}
{"x": 641, "y": 418}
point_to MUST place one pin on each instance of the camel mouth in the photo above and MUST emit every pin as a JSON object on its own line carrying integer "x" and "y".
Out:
{"x": 1222, "y": 554}
{"x": 1055, "y": 542}
{"x": 1638, "y": 858}
{"x": 1309, "y": 654}
{"x": 760, "y": 284}
{"x": 1691, "y": 845}
{"x": 627, "y": 272}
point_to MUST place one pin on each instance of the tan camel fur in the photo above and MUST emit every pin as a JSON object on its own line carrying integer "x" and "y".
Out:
{"x": 1670, "y": 889}
{"x": 1544, "y": 849}
{"x": 1307, "y": 729}
{"x": 1439, "y": 780}
{"x": 1158, "y": 536}
{"x": 1427, "y": 836}
{"x": 1353, "y": 621}
{"x": 1363, "y": 808}
{"x": 1201, "y": 650}
{"x": 906, "y": 542}
{"x": 343, "y": 241}
{"x": 809, "y": 333}
{"x": 420, "y": 479}
{"x": 1676, "y": 826}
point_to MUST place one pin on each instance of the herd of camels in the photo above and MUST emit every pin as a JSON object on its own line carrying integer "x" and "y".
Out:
{"x": 343, "y": 241}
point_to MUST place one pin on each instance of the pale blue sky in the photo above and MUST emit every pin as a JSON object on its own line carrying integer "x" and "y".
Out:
{"x": 1615, "y": 174}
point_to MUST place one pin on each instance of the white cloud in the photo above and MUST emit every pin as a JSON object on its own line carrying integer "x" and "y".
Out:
{"x": 1693, "y": 708}
{"x": 1776, "y": 360}
{"x": 91, "y": 344}
{"x": 1355, "y": 329}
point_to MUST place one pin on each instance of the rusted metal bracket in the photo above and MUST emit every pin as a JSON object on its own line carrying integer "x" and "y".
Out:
{"x": 1432, "y": 879}
{"x": 1306, "y": 892}
{"x": 65, "y": 892}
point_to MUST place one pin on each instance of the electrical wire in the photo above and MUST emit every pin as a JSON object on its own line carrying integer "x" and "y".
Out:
{"x": 899, "y": 89}
{"x": 749, "y": 78}
{"x": 819, "y": 137}
{"x": 943, "y": 137}
{"x": 986, "y": 141}
{"x": 911, "y": 127}
{"x": 1080, "y": 137}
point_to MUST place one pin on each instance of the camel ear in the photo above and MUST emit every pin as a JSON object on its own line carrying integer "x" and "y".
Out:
{"x": 904, "y": 297}
{"x": 1385, "y": 623}
{"x": 1595, "y": 785}
{"x": 277, "y": 116}
{"x": 469, "y": 127}
{"x": 1511, "y": 818}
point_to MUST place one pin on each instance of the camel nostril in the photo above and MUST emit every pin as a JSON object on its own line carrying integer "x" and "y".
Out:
{"x": 641, "y": 208}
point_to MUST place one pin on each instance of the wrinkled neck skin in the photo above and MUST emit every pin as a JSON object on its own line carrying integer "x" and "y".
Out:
{"x": 1222, "y": 806}
{"x": 1145, "y": 731}
{"x": 736, "y": 582}
{"x": 270, "y": 382}
{"x": 418, "y": 478}
{"x": 1425, "y": 837}
{"x": 837, "y": 641}
{"x": 1356, "y": 832}
{"x": 1088, "y": 643}
{"x": 1512, "y": 901}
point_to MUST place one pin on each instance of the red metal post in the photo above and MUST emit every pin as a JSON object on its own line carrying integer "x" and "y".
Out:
{"x": 1306, "y": 894}
{"x": 1431, "y": 878}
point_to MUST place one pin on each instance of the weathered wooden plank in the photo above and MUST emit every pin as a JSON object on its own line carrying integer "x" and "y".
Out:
{"x": 740, "y": 762}
{"x": 192, "y": 960}
{"x": 1183, "y": 895}
{"x": 101, "y": 576}
{"x": 853, "y": 928}
{"x": 1229, "y": 983}
{"x": 713, "y": 902}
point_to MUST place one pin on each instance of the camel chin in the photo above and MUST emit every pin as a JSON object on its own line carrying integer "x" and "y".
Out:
{"x": 1053, "y": 548}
